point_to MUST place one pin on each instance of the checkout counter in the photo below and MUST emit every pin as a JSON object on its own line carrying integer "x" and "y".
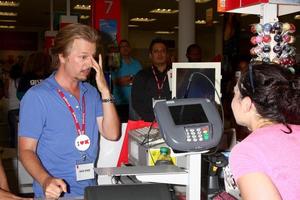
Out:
{"x": 189, "y": 127}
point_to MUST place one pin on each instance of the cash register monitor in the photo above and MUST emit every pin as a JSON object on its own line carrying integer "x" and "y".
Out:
{"x": 189, "y": 81}
{"x": 192, "y": 124}
{"x": 188, "y": 114}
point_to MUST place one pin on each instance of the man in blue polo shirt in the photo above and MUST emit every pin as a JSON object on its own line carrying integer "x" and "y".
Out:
{"x": 123, "y": 78}
{"x": 60, "y": 118}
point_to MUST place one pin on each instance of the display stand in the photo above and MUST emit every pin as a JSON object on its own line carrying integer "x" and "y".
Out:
{"x": 171, "y": 174}
{"x": 268, "y": 10}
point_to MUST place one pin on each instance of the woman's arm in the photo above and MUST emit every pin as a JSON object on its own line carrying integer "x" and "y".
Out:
{"x": 3, "y": 179}
{"x": 4, "y": 189}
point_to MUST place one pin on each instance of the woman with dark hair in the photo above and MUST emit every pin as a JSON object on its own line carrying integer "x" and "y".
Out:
{"x": 36, "y": 69}
{"x": 266, "y": 164}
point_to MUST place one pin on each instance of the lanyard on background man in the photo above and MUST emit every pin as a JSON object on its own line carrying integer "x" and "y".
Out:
{"x": 159, "y": 84}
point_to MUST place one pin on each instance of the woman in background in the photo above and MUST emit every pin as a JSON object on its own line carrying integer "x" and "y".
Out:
{"x": 36, "y": 69}
{"x": 266, "y": 164}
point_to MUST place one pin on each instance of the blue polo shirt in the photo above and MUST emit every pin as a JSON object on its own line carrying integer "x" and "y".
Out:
{"x": 123, "y": 93}
{"x": 45, "y": 117}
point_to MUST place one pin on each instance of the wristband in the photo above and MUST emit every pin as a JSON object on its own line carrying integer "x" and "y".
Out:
{"x": 109, "y": 100}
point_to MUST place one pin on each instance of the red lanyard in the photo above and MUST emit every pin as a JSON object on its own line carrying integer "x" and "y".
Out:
{"x": 82, "y": 130}
{"x": 159, "y": 84}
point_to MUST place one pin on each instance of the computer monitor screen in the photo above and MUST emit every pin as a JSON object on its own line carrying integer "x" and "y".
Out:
{"x": 188, "y": 114}
{"x": 190, "y": 80}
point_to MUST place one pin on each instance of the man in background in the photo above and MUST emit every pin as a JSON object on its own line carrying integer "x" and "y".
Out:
{"x": 193, "y": 53}
{"x": 151, "y": 83}
{"x": 123, "y": 78}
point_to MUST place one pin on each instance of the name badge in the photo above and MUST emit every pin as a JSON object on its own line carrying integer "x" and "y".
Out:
{"x": 85, "y": 171}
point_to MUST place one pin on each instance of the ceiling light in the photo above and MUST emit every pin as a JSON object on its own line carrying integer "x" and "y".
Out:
{"x": 297, "y": 17}
{"x": 82, "y": 7}
{"x": 202, "y": 1}
{"x": 244, "y": 14}
{"x": 10, "y": 14}
{"x": 164, "y": 11}
{"x": 8, "y": 20}
{"x": 7, "y": 27}
{"x": 142, "y": 19}
{"x": 84, "y": 16}
{"x": 9, "y": 3}
{"x": 132, "y": 25}
{"x": 200, "y": 21}
{"x": 165, "y": 32}
{"x": 215, "y": 22}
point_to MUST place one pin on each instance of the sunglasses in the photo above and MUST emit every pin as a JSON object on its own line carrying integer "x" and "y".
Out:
{"x": 251, "y": 77}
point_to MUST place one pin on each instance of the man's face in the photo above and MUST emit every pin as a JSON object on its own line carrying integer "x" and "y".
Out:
{"x": 77, "y": 64}
{"x": 124, "y": 49}
{"x": 158, "y": 54}
{"x": 194, "y": 55}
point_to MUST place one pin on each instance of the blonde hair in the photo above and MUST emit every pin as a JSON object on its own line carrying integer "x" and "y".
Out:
{"x": 66, "y": 36}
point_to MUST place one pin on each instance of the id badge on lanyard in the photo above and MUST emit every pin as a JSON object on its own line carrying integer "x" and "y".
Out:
{"x": 84, "y": 167}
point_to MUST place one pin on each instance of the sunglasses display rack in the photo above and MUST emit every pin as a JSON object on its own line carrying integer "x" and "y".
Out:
{"x": 274, "y": 43}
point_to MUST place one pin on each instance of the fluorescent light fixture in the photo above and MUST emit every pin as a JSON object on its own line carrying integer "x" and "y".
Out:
{"x": 132, "y": 25}
{"x": 202, "y": 1}
{"x": 244, "y": 14}
{"x": 9, "y": 3}
{"x": 82, "y": 7}
{"x": 7, "y": 27}
{"x": 142, "y": 19}
{"x": 84, "y": 16}
{"x": 165, "y": 32}
{"x": 8, "y": 20}
{"x": 200, "y": 21}
{"x": 297, "y": 17}
{"x": 164, "y": 11}
{"x": 10, "y": 14}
